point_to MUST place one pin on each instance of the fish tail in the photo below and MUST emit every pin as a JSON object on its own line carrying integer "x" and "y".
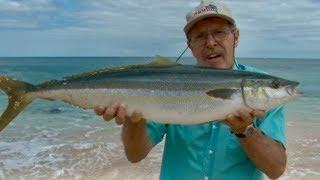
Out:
{"x": 18, "y": 97}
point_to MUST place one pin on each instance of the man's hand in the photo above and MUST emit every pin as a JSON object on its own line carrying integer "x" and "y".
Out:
{"x": 266, "y": 153}
{"x": 243, "y": 118}
{"x": 117, "y": 111}
{"x": 134, "y": 134}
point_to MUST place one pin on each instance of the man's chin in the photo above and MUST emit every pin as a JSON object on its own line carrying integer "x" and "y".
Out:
{"x": 215, "y": 63}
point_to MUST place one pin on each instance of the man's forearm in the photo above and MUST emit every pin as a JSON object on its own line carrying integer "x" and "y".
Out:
{"x": 267, "y": 154}
{"x": 135, "y": 140}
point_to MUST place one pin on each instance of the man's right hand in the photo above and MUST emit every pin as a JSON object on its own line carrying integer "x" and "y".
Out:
{"x": 118, "y": 111}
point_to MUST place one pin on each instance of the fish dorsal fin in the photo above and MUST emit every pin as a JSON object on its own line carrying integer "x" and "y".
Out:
{"x": 222, "y": 93}
{"x": 160, "y": 61}
{"x": 157, "y": 61}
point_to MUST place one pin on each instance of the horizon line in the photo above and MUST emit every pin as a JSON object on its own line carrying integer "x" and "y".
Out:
{"x": 149, "y": 57}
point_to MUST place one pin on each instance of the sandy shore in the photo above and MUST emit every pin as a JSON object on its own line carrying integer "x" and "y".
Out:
{"x": 127, "y": 171}
{"x": 303, "y": 161}
{"x": 98, "y": 154}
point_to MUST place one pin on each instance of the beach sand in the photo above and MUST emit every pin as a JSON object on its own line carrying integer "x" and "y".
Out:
{"x": 128, "y": 171}
{"x": 122, "y": 169}
{"x": 303, "y": 160}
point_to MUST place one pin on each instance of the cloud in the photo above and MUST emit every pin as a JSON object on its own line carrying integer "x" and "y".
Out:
{"x": 26, "y": 5}
{"x": 146, "y": 27}
{"x": 24, "y": 14}
{"x": 17, "y": 24}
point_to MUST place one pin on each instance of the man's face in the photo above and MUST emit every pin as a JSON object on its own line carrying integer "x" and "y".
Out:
{"x": 212, "y": 42}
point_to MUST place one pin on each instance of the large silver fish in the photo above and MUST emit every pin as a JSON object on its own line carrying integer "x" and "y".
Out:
{"x": 163, "y": 91}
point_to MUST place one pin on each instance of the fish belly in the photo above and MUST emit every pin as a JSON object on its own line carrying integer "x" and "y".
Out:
{"x": 174, "y": 107}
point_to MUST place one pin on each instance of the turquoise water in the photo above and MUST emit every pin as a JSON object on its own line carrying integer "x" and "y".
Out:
{"x": 52, "y": 139}
{"x": 307, "y": 72}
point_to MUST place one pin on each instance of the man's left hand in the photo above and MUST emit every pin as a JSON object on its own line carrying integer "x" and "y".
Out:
{"x": 243, "y": 118}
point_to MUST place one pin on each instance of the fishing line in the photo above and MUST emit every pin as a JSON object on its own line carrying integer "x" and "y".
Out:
{"x": 181, "y": 54}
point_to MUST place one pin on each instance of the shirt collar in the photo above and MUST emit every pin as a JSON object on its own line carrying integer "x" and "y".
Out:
{"x": 235, "y": 65}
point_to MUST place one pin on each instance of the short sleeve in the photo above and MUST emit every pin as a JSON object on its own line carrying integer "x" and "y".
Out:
{"x": 274, "y": 125}
{"x": 156, "y": 131}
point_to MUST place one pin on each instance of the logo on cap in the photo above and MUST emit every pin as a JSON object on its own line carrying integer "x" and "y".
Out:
{"x": 209, "y": 7}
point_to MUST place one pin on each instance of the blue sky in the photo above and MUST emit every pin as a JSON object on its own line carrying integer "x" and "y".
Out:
{"x": 271, "y": 28}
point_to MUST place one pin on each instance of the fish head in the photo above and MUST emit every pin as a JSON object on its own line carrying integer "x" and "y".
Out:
{"x": 270, "y": 92}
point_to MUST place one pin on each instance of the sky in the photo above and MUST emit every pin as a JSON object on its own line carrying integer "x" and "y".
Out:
{"x": 272, "y": 28}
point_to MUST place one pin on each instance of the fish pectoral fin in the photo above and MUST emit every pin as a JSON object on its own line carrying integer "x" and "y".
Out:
{"x": 222, "y": 93}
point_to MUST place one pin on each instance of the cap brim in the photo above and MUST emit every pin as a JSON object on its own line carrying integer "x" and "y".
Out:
{"x": 188, "y": 26}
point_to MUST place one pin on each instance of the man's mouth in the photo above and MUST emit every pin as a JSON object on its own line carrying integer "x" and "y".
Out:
{"x": 214, "y": 57}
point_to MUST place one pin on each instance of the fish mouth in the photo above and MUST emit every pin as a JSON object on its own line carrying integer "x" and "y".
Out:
{"x": 292, "y": 90}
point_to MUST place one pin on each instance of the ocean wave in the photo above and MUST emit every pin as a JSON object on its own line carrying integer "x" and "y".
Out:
{"x": 65, "y": 160}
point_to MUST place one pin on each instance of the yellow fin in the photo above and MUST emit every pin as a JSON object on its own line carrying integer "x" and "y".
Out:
{"x": 161, "y": 61}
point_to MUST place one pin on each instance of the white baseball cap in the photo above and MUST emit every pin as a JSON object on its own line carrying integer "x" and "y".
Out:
{"x": 208, "y": 8}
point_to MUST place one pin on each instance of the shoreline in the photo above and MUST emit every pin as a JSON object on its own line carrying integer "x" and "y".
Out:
{"x": 303, "y": 159}
{"x": 297, "y": 167}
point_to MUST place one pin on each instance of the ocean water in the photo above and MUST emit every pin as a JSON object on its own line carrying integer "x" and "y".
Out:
{"x": 53, "y": 140}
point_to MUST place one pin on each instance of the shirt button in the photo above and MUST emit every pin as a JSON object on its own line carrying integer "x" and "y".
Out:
{"x": 210, "y": 151}
{"x": 206, "y": 178}
{"x": 214, "y": 126}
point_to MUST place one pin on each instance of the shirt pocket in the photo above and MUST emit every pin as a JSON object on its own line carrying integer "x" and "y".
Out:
{"x": 193, "y": 135}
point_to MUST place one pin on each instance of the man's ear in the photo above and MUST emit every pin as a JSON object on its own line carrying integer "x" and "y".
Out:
{"x": 236, "y": 37}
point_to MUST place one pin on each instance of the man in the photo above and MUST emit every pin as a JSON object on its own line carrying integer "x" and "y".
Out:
{"x": 240, "y": 147}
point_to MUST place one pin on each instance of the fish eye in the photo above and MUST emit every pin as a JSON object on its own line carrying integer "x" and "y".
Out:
{"x": 275, "y": 84}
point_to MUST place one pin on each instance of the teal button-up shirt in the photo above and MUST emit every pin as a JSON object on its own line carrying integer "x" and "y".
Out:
{"x": 209, "y": 151}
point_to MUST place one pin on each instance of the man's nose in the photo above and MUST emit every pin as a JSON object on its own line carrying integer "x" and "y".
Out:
{"x": 211, "y": 41}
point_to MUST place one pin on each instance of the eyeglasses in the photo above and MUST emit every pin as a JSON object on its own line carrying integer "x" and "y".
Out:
{"x": 217, "y": 34}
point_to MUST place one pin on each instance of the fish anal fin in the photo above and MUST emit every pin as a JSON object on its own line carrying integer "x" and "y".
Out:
{"x": 222, "y": 93}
